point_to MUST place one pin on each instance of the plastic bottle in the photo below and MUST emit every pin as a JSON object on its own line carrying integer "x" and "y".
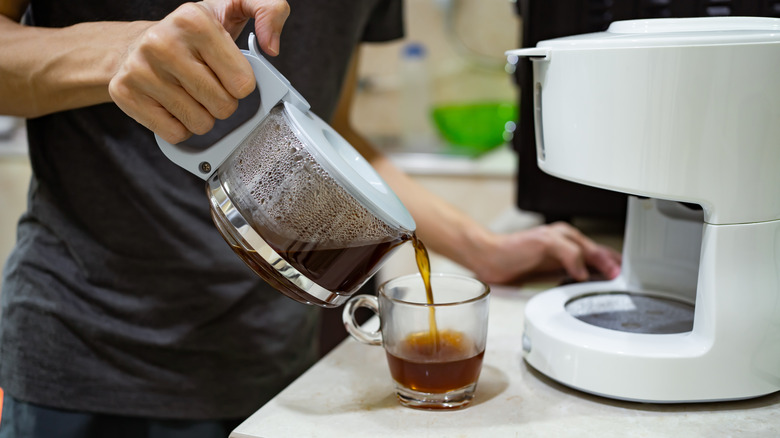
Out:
{"x": 417, "y": 133}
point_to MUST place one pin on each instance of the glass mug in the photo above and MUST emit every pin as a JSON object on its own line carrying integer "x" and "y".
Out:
{"x": 434, "y": 351}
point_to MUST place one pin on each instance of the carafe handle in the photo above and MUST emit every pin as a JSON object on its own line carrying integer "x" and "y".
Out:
{"x": 273, "y": 88}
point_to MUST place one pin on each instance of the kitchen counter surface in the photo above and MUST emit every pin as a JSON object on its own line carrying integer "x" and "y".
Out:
{"x": 349, "y": 394}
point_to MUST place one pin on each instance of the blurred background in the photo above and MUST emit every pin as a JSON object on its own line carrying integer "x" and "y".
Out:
{"x": 445, "y": 87}
{"x": 451, "y": 61}
{"x": 446, "y": 107}
{"x": 14, "y": 178}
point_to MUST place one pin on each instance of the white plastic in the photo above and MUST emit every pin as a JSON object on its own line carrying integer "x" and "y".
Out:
{"x": 667, "y": 32}
{"x": 693, "y": 123}
{"x": 541, "y": 53}
{"x": 347, "y": 167}
{"x": 733, "y": 351}
{"x": 680, "y": 110}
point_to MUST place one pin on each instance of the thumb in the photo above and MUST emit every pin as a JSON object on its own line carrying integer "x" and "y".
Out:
{"x": 270, "y": 16}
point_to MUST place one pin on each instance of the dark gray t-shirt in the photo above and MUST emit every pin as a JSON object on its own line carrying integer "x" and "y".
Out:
{"x": 120, "y": 295}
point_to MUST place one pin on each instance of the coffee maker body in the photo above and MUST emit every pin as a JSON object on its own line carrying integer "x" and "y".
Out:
{"x": 682, "y": 114}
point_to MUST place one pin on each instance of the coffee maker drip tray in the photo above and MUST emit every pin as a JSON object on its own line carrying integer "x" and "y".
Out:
{"x": 632, "y": 312}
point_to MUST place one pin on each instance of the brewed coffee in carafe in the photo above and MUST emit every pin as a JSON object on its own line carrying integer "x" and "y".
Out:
{"x": 303, "y": 214}
{"x": 294, "y": 199}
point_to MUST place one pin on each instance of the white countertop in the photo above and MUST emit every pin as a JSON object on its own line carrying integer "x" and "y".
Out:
{"x": 349, "y": 394}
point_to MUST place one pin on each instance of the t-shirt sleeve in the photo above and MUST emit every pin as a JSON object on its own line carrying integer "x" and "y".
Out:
{"x": 386, "y": 22}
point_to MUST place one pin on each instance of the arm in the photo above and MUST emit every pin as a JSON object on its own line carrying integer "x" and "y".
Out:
{"x": 46, "y": 70}
{"x": 494, "y": 258}
{"x": 175, "y": 76}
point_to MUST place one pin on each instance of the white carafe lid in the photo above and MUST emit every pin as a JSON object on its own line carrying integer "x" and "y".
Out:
{"x": 348, "y": 168}
{"x": 665, "y": 32}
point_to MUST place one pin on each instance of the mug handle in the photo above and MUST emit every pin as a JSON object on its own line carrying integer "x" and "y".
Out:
{"x": 350, "y": 323}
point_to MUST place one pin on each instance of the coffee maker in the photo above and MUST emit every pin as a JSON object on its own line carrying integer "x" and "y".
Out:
{"x": 684, "y": 116}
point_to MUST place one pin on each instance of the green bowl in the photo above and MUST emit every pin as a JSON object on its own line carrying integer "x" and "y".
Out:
{"x": 480, "y": 126}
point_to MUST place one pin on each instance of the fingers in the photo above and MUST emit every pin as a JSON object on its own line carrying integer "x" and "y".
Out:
{"x": 145, "y": 107}
{"x": 576, "y": 252}
{"x": 570, "y": 255}
{"x": 220, "y": 74}
{"x": 181, "y": 74}
{"x": 269, "y": 21}
{"x": 605, "y": 260}
{"x": 601, "y": 258}
{"x": 543, "y": 250}
{"x": 139, "y": 89}
{"x": 269, "y": 15}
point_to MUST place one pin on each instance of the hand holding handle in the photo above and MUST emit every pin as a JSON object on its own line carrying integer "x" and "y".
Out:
{"x": 273, "y": 88}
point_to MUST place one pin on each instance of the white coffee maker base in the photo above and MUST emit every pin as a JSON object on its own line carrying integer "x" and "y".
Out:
{"x": 629, "y": 110}
{"x": 646, "y": 367}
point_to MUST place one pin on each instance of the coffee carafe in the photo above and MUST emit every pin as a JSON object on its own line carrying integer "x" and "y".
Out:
{"x": 294, "y": 200}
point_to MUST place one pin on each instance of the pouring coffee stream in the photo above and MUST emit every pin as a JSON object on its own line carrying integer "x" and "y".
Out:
{"x": 424, "y": 265}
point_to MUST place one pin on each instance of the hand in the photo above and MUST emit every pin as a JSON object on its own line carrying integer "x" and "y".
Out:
{"x": 185, "y": 71}
{"x": 543, "y": 250}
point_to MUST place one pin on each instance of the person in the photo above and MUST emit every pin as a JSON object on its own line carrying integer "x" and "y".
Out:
{"x": 124, "y": 313}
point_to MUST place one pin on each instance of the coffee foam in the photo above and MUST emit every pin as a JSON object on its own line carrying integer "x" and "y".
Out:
{"x": 283, "y": 185}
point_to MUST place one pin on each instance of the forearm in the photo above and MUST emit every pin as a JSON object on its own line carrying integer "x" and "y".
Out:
{"x": 45, "y": 70}
{"x": 441, "y": 226}
{"x": 444, "y": 228}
